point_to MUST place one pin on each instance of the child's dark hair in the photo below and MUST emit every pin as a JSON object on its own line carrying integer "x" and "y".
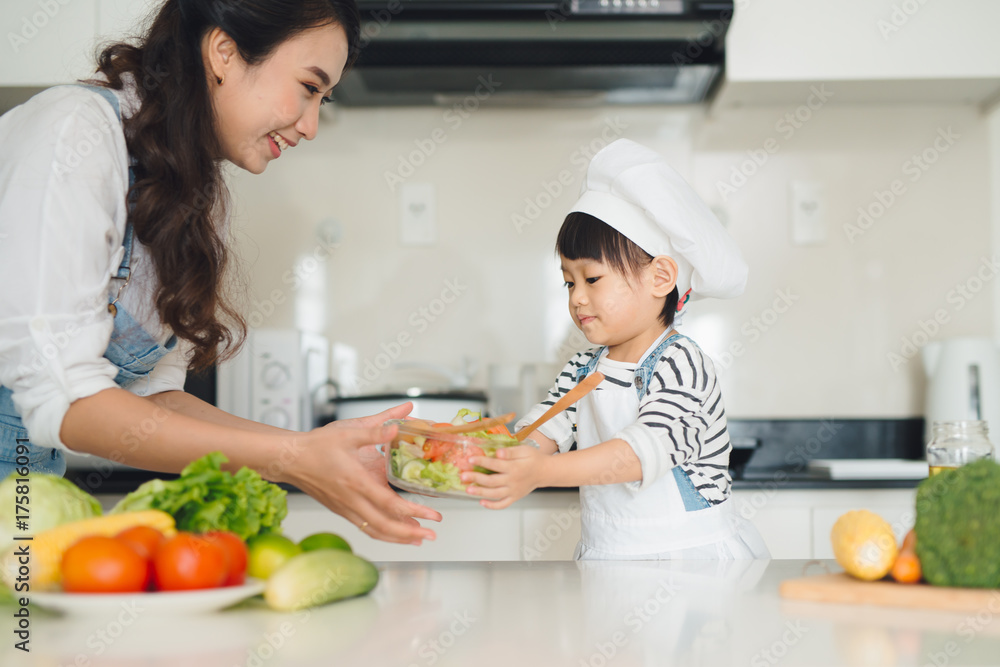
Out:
{"x": 582, "y": 236}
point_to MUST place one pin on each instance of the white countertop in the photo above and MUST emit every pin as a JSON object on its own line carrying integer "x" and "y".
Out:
{"x": 592, "y": 614}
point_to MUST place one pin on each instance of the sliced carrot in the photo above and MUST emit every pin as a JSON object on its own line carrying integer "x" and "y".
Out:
{"x": 906, "y": 569}
{"x": 500, "y": 429}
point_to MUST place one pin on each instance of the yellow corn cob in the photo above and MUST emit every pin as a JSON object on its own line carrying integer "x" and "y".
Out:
{"x": 46, "y": 550}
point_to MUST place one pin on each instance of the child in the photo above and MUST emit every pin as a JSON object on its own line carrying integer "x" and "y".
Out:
{"x": 652, "y": 449}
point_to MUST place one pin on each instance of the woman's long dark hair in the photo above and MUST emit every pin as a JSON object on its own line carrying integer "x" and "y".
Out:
{"x": 179, "y": 192}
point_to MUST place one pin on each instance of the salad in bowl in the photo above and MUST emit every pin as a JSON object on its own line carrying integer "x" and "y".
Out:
{"x": 429, "y": 457}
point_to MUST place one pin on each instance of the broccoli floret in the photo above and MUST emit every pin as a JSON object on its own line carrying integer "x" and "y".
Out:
{"x": 958, "y": 526}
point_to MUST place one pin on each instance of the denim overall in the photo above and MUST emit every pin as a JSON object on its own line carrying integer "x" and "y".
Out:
{"x": 617, "y": 521}
{"x": 131, "y": 349}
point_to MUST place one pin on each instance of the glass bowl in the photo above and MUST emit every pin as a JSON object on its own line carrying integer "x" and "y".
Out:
{"x": 431, "y": 465}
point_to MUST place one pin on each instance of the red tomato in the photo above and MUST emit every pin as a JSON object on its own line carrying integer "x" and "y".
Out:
{"x": 236, "y": 555}
{"x": 435, "y": 449}
{"x": 187, "y": 561}
{"x": 98, "y": 564}
{"x": 460, "y": 457}
{"x": 144, "y": 539}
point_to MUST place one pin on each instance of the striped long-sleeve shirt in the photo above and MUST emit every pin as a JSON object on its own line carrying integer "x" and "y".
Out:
{"x": 681, "y": 419}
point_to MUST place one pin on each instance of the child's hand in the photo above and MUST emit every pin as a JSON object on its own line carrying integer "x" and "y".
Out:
{"x": 517, "y": 472}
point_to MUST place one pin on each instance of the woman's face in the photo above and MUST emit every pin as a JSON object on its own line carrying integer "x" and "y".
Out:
{"x": 264, "y": 110}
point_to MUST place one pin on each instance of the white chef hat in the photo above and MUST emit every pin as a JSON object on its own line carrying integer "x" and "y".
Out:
{"x": 634, "y": 190}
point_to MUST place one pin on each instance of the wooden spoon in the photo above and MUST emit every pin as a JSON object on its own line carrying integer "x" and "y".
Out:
{"x": 480, "y": 425}
{"x": 571, "y": 397}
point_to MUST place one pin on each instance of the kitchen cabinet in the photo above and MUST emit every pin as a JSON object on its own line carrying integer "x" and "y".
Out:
{"x": 860, "y": 51}
{"x": 468, "y": 533}
{"x": 55, "y": 41}
{"x": 545, "y": 526}
{"x": 47, "y": 41}
{"x": 796, "y": 523}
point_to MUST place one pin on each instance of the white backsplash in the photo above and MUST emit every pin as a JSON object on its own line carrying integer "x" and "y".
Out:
{"x": 812, "y": 335}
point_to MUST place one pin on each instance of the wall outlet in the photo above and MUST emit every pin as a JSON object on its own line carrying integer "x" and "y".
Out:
{"x": 808, "y": 213}
{"x": 417, "y": 214}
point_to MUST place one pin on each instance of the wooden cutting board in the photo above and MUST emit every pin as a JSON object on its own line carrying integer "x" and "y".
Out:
{"x": 845, "y": 589}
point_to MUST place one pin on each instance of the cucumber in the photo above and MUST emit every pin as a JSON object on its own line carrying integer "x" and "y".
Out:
{"x": 318, "y": 577}
{"x": 412, "y": 469}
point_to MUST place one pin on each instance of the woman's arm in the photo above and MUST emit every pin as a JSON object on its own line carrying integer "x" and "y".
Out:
{"x": 521, "y": 470}
{"x": 324, "y": 463}
{"x": 187, "y": 404}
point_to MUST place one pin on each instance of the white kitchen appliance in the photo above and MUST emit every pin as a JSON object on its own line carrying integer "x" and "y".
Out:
{"x": 278, "y": 378}
{"x": 963, "y": 383}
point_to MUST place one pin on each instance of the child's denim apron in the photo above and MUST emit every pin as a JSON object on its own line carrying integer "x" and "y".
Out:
{"x": 131, "y": 349}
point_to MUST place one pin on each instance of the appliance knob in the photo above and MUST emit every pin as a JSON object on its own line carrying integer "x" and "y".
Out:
{"x": 276, "y": 417}
{"x": 275, "y": 374}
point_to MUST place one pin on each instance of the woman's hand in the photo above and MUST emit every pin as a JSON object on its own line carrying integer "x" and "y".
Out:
{"x": 517, "y": 472}
{"x": 397, "y": 412}
{"x": 328, "y": 466}
{"x": 371, "y": 458}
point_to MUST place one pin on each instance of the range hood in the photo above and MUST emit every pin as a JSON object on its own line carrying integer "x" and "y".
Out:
{"x": 537, "y": 52}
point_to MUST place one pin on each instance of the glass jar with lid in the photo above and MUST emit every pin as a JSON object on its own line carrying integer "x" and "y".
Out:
{"x": 956, "y": 443}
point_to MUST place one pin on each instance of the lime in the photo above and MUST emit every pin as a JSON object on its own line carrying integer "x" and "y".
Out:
{"x": 325, "y": 541}
{"x": 268, "y": 552}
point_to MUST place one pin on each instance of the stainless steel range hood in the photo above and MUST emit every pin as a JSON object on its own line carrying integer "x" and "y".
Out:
{"x": 537, "y": 52}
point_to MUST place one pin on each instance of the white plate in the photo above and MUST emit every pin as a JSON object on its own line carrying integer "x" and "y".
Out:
{"x": 159, "y": 602}
{"x": 848, "y": 469}
{"x": 415, "y": 487}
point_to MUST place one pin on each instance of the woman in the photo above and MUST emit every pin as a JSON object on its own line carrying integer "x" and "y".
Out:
{"x": 112, "y": 253}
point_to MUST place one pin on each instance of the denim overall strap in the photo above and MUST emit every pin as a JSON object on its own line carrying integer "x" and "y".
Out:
{"x": 644, "y": 373}
{"x": 693, "y": 501}
{"x": 584, "y": 371}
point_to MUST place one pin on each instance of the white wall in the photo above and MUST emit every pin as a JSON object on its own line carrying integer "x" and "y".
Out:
{"x": 855, "y": 300}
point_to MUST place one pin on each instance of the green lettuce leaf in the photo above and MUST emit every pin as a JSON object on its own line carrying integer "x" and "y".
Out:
{"x": 442, "y": 476}
{"x": 205, "y": 498}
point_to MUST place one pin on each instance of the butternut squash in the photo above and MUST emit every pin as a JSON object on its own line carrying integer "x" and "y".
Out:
{"x": 864, "y": 544}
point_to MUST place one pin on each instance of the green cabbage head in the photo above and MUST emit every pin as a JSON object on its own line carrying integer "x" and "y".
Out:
{"x": 52, "y": 501}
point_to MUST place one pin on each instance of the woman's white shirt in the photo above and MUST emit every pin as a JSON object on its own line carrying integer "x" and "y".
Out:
{"x": 63, "y": 182}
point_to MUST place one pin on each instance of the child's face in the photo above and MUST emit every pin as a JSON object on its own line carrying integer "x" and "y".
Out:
{"x": 610, "y": 308}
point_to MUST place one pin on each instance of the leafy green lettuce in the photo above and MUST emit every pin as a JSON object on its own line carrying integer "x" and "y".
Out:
{"x": 442, "y": 476}
{"x": 205, "y": 498}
